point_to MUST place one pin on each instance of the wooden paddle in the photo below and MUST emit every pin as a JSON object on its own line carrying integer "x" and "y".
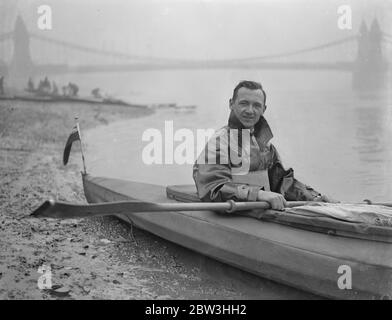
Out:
{"x": 65, "y": 210}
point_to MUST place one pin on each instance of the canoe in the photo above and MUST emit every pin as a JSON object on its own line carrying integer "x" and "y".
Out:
{"x": 304, "y": 259}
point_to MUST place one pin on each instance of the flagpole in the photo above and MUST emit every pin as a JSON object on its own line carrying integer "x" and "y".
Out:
{"x": 81, "y": 144}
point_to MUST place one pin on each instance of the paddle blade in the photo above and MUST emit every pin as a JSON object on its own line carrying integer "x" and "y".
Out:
{"x": 52, "y": 209}
{"x": 64, "y": 210}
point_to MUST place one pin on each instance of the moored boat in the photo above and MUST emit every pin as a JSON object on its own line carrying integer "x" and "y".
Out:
{"x": 314, "y": 260}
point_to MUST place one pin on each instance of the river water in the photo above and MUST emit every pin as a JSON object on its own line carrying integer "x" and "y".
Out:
{"x": 337, "y": 140}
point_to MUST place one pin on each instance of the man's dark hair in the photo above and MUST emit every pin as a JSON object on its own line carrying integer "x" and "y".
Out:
{"x": 251, "y": 85}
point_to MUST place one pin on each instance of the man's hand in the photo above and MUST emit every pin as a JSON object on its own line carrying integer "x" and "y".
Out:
{"x": 276, "y": 200}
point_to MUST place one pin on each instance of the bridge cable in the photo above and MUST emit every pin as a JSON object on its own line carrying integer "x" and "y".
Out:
{"x": 155, "y": 59}
{"x": 99, "y": 51}
{"x": 292, "y": 53}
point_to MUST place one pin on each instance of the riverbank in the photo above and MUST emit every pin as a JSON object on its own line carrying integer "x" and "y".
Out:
{"x": 100, "y": 258}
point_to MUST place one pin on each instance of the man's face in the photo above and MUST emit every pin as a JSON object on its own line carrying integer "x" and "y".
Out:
{"x": 248, "y": 106}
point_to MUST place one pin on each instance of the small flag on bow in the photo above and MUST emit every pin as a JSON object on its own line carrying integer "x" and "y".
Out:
{"x": 74, "y": 136}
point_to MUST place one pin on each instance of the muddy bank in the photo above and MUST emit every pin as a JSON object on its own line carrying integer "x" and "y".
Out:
{"x": 100, "y": 258}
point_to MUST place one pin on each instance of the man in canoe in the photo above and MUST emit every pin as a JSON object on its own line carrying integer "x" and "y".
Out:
{"x": 265, "y": 179}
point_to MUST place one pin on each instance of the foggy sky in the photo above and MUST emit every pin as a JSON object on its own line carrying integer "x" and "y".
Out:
{"x": 192, "y": 29}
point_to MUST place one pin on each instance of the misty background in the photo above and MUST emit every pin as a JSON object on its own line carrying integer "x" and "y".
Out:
{"x": 192, "y": 29}
{"x": 336, "y": 137}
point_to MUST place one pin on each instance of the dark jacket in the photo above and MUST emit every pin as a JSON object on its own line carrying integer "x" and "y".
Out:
{"x": 214, "y": 181}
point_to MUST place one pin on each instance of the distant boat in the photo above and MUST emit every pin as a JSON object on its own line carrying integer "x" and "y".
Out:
{"x": 188, "y": 108}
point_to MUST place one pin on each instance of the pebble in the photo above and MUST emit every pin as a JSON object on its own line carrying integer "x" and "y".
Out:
{"x": 105, "y": 241}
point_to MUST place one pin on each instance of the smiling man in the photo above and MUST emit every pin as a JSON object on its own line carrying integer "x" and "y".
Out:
{"x": 265, "y": 179}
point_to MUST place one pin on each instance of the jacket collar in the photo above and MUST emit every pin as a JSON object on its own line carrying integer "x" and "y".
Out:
{"x": 262, "y": 130}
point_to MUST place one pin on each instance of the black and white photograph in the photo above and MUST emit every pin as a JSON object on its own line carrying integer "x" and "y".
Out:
{"x": 195, "y": 150}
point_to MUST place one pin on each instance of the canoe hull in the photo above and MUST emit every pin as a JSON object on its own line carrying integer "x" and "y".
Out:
{"x": 302, "y": 259}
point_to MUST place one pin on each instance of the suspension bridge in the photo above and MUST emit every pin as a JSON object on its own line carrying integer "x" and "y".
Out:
{"x": 368, "y": 56}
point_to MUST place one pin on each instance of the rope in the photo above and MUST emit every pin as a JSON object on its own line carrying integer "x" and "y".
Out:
{"x": 100, "y": 51}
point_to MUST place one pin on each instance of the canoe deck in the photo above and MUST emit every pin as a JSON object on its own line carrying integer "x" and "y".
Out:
{"x": 306, "y": 260}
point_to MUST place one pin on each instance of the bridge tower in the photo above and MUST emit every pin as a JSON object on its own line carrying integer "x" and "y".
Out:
{"x": 21, "y": 62}
{"x": 375, "y": 39}
{"x": 363, "y": 44}
{"x": 370, "y": 65}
